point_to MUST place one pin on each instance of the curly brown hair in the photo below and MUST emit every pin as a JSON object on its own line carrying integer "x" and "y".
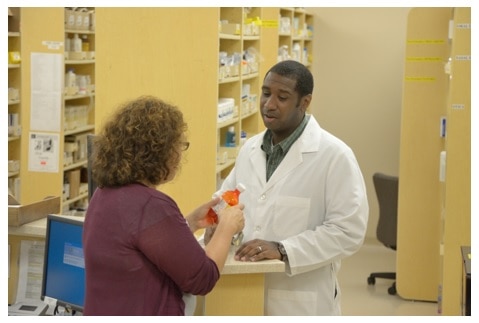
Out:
{"x": 140, "y": 142}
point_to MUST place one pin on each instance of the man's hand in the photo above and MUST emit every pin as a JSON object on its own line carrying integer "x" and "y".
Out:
{"x": 257, "y": 249}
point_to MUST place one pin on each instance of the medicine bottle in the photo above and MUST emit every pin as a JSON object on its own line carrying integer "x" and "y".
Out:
{"x": 67, "y": 43}
{"x": 82, "y": 84}
{"x": 228, "y": 198}
{"x": 70, "y": 78}
{"x": 243, "y": 137}
{"x": 85, "y": 45}
{"x": 77, "y": 44}
{"x": 230, "y": 137}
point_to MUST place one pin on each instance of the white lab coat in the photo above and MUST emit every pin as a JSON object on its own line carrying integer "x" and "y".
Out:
{"x": 315, "y": 203}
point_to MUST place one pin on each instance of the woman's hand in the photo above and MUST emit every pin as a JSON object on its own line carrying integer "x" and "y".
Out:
{"x": 230, "y": 216}
{"x": 198, "y": 218}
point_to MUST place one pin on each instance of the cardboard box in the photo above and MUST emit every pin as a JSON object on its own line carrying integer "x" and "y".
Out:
{"x": 21, "y": 214}
{"x": 81, "y": 141}
{"x": 73, "y": 178}
{"x": 232, "y": 29}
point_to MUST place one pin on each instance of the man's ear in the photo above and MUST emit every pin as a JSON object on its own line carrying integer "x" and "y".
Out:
{"x": 305, "y": 101}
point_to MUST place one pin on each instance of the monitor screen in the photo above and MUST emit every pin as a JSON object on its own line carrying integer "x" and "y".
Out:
{"x": 64, "y": 264}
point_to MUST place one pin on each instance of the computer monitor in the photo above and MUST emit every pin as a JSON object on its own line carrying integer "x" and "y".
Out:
{"x": 64, "y": 263}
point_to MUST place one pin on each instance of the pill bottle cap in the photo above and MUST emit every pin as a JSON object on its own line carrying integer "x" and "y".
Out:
{"x": 240, "y": 187}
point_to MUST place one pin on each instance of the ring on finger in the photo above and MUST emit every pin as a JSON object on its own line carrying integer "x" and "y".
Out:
{"x": 259, "y": 249}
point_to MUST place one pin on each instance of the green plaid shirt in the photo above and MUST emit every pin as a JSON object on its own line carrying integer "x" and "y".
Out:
{"x": 276, "y": 153}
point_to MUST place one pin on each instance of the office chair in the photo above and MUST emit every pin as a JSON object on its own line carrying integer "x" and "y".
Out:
{"x": 386, "y": 232}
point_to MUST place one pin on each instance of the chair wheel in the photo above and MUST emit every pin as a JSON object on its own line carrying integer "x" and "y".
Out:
{"x": 371, "y": 280}
{"x": 392, "y": 290}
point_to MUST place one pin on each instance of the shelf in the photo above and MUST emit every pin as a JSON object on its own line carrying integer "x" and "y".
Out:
{"x": 249, "y": 114}
{"x": 229, "y": 80}
{"x": 13, "y": 102}
{"x": 80, "y": 32}
{"x": 227, "y": 123}
{"x": 13, "y": 174}
{"x": 79, "y": 96}
{"x": 79, "y": 130}
{"x": 229, "y": 36}
{"x": 79, "y": 62}
{"x": 13, "y": 138}
{"x": 12, "y": 66}
{"x": 13, "y": 34}
{"x": 250, "y": 76}
{"x": 79, "y": 164}
{"x": 75, "y": 199}
{"x": 221, "y": 167}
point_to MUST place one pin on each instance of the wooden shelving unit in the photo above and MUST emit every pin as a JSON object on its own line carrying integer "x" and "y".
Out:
{"x": 434, "y": 214}
{"x": 14, "y": 103}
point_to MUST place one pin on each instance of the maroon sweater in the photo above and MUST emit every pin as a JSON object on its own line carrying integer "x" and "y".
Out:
{"x": 140, "y": 255}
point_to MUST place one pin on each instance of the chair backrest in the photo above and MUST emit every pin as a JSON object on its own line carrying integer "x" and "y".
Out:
{"x": 386, "y": 187}
{"x": 91, "y": 183}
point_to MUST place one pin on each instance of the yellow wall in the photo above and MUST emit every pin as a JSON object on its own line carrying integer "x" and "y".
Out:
{"x": 171, "y": 53}
{"x": 358, "y": 68}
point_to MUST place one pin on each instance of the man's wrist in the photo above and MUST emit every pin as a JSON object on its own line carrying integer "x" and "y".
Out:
{"x": 282, "y": 251}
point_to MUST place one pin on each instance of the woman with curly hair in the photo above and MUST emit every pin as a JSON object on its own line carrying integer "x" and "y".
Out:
{"x": 140, "y": 252}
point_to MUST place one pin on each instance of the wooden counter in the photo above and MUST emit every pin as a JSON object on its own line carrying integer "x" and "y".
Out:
{"x": 240, "y": 290}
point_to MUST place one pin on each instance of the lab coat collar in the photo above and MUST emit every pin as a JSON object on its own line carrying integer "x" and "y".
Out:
{"x": 308, "y": 142}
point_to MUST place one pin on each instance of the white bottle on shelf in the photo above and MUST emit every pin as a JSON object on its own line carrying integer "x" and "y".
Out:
{"x": 77, "y": 43}
{"x": 82, "y": 84}
{"x": 70, "y": 78}
{"x": 296, "y": 54}
{"x": 67, "y": 43}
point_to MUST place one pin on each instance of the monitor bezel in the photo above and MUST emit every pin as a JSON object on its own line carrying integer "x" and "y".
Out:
{"x": 78, "y": 221}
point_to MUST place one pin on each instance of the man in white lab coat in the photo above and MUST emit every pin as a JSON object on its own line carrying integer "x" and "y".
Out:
{"x": 305, "y": 198}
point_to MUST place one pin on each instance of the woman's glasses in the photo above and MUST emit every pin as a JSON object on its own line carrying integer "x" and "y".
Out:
{"x": 185, "y": 145}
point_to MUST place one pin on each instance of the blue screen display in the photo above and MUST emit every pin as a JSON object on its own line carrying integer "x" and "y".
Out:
{"x": 64, "y": 266}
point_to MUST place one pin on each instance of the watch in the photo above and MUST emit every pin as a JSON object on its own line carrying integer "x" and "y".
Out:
{"x": 282, "y": 251}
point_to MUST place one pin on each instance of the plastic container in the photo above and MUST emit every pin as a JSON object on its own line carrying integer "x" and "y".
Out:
{"x": 243, "y": 137}
{"x": 231, "y": 137}
{"x": 85, "y": 45}
{"x": 70, "y": 78}
{"x": 76, "y": 45}
{"x": 296, "y": 54}
{"x": 228, "y": 198}
{"x": 82, "y": 84}
{"x": 67, "y": 44}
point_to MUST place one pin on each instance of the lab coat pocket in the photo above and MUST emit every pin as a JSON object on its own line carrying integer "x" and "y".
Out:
{"x": 285, "y": 302}
{"x": 291, "y": 215}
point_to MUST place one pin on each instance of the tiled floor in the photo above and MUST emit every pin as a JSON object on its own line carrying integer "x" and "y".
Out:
{"x": 359, "y": 298}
